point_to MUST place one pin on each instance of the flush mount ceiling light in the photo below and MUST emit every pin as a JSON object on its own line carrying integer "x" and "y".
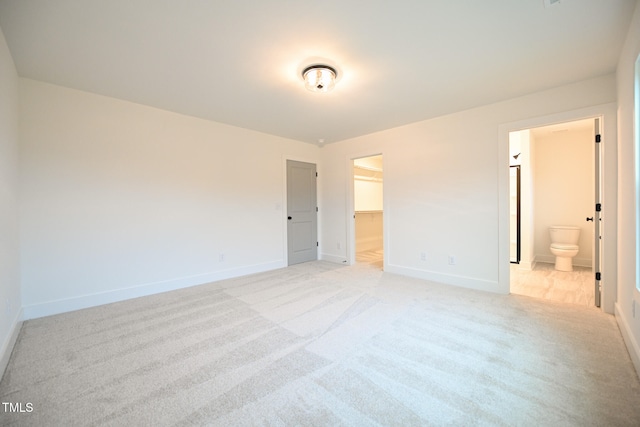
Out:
{"x": 319, "y": 78}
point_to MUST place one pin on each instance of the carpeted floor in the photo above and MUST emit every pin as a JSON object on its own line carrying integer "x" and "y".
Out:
{"x": 324, "y": 344}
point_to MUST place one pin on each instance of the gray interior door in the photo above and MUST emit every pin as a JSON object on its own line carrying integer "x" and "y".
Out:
{"x": 302, "y": 213}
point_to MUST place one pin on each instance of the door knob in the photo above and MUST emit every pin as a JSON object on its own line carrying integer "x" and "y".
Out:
{"x": 589, "y": 218}
{"x": 288, "y": 217}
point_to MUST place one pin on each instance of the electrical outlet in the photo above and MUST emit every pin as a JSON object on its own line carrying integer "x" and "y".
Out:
{"x": 423, "y": 256}
{"x": 452, "y": 260}
{"x": 221, "y": 258}
{"x": 339, "y": 245}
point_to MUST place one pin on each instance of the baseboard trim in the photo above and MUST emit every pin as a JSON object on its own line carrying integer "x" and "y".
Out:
{"x": 338, "y": 259}
{"x": 529, "y": 266}
{"x": 632, "y": 345}
{"x": 578, "y": 262}
{"x": 92, "y": 300}
{"x": 448, "y": 279}
{"x": 10, "y": 342}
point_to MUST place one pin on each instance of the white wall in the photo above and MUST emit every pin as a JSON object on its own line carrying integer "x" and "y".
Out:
{"x": 121, "y": 200}
{"x": 627, "y": 293}
{"x": 564, "y": 177}
{"x": 443, "y": 189}
{"x": 10, "y": 302}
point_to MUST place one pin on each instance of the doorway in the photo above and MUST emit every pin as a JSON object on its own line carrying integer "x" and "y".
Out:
{"x": 368, "y": 210}
{"x": 557, "y": 172}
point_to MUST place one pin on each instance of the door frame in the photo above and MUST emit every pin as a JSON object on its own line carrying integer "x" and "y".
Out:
{"x": 609, "y": 197}
{"x": 518, "y": 168}
{"x": 596, "y": 261}
{"x": 350, "y": 220}
{"x": 282, "y": 207}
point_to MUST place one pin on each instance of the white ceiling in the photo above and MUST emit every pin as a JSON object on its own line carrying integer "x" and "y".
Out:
{"x": 239, "y": 62}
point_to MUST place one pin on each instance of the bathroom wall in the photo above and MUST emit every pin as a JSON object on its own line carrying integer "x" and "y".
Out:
{"x": 564, "y": 187}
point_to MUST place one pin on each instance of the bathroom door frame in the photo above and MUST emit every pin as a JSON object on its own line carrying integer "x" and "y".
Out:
{"x": 597, "y": 214}
{"x": 608, "y": 175}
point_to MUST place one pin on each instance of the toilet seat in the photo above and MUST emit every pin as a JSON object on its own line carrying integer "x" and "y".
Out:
{"x": 564, "y": 247}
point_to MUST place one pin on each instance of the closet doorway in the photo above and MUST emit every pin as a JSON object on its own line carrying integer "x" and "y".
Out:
{"x": 368, "y": 210}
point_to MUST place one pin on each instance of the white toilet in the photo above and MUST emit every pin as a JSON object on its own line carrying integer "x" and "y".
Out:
{"x": 564, "y": 245}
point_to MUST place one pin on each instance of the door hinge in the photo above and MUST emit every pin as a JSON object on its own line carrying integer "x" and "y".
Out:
{"x": 317, "y": 172}
{"x": 598, "y": 276}
{"x": 316, "y": 209}
{"x": 317, "y": 244}
{"x": 598, "y": 207}
{"x": 598, "y": 138}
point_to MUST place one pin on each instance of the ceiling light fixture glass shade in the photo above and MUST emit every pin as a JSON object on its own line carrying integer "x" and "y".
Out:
{"x": 319, "y": 78}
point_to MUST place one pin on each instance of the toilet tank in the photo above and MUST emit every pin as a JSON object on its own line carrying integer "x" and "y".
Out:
{"x": 568, "y": 234}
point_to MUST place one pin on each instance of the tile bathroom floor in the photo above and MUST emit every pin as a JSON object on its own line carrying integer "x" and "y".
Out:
{"x": 544, "y": 281}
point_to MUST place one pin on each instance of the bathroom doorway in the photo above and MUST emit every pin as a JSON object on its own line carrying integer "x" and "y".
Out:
{"x": 557, "y": 177}
{"x": 368, "y": 210}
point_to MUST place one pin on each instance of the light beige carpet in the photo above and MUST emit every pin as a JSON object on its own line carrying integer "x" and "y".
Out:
{"x": 323, "y": 344}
